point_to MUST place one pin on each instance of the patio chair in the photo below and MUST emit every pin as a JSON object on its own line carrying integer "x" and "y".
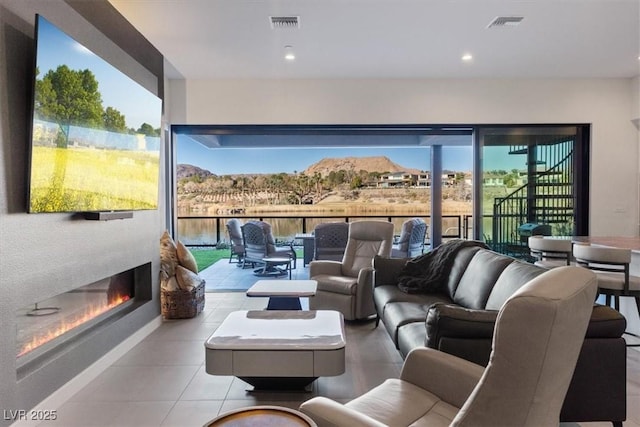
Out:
{"x": 411, "y": 241}
{"x": 330, "y": 240}
{"x": 259, "y": 243}
{"x": 234, "y": 231}
{"x": 347, "y": 285}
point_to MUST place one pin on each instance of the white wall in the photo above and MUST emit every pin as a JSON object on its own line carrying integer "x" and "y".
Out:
{"x": 635, "y": 98}
{"x": 604, "y": 103}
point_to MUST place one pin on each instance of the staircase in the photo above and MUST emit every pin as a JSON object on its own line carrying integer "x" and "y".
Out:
{"x": 547, "y": 196}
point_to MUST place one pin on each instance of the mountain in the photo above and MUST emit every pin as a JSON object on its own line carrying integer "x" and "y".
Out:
{"x": 187, "y": 171}
{"x": 370, "y": 164}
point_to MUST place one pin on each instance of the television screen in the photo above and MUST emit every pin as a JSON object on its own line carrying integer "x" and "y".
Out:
{"x": 95, "y": 135}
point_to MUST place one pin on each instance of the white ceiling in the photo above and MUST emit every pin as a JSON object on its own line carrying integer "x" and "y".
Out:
{"x": 206, "y": 39}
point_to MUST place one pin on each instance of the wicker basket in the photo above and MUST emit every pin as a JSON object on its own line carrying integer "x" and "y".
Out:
{"x": 182, "y": 304}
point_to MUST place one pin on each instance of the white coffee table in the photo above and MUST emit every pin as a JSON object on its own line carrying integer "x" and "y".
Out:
{"x": 283, "y": 294}
{"x": 278, "y": 350}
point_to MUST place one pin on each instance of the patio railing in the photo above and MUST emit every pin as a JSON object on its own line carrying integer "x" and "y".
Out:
{"x": 208, "y": 231}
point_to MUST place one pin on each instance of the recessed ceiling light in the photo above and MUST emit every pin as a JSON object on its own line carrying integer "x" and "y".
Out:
{"x": 467, "y": 57}
{"x": 288, "y": 53}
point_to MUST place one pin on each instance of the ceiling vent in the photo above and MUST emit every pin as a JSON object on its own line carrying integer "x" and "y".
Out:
{"x": 505, "y": 21}
{"x": 284, "y": 22}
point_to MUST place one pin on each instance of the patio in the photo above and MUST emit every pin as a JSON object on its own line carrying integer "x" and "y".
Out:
{"x": 223, "y": 276}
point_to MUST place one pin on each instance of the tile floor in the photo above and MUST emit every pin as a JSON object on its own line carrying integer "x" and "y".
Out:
{"x": 162, "y": 380}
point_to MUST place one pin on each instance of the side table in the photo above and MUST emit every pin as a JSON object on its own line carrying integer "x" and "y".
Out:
{"x": 283, "y": 294}
{"x": 272, "y": 267}
{"x": 262, "y": 416}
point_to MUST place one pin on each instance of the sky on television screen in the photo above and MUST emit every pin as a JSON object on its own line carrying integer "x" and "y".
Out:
{"x": 136, "y": 103}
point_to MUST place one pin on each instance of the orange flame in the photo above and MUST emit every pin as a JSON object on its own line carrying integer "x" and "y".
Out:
{"x": 66, "y": 325}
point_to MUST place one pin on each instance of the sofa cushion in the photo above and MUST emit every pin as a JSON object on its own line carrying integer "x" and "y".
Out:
{"x": 387, "y": 270}
{"x": 386, "y": 294}
{"x": 512, "y": 278}
{"x": 460, "y": 265}
{"x": 478, "y": 279}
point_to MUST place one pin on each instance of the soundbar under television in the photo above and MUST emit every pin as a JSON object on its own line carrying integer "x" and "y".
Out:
{"x": 95, "y": 134}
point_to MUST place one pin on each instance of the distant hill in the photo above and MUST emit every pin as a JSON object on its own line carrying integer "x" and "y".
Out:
{"x": 187, "y": 171}
{"x": 323, "y": 167}
{"x": 369, "y": 164}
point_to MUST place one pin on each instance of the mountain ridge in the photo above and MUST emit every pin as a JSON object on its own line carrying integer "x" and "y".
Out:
{"x": 325, "y": 166}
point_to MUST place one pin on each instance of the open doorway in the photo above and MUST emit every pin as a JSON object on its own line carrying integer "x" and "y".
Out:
{"x": 297, "y": 176}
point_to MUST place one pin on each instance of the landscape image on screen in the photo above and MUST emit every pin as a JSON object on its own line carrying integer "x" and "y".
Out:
{"x": 95, "y": 137}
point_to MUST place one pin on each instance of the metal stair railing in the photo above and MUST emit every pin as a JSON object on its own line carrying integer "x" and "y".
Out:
{"x": 546, "y": 198}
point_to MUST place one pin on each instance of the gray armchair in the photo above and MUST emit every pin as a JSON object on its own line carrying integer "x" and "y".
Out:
{"x": 330, "y": 240}
{"x": 259, "y": 243}
{"x": 524, "y": 383}
{"x": 411, "y": 241}
{"x": 347, "y": 285}
{"x": 234, "y": 231}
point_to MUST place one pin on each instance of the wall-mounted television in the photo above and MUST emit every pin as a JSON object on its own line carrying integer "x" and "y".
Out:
{"x": 95, "y": 133}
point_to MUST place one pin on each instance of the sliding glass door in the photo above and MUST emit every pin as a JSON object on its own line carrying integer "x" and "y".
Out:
{"x": 534, "y": 180}
{"x": 482, "y": 182}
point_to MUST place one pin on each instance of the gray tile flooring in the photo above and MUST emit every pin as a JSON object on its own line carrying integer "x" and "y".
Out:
{"x": 225, "y": 276}
{"x": 162, "y": 380}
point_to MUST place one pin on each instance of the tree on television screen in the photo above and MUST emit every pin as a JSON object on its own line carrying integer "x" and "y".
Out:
{"x": 114, "y": 121}
{"x": 72, "y": 97}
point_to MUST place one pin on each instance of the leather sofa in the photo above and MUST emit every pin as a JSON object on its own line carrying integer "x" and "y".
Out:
{"x": 460, "y": 320}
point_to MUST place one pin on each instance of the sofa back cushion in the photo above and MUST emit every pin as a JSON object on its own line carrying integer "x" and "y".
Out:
{"x": 478, "y": 279}
{"x": 512, "y": 278}
{"x": 460, "y": 264}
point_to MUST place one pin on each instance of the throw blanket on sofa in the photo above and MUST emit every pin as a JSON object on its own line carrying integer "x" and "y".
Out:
{"x": 428, "y": 273}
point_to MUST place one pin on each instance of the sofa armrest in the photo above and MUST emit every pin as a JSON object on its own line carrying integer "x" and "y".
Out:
{"x": 331, "y": 268}
{"x": 454, "y": 321}
{"x": 450, "y": 377}
{"x": 326, "y": 412}
{"x": 387, "y": 270}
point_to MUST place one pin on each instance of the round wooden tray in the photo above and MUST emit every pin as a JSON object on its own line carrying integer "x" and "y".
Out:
{"x": 263, "y": 416}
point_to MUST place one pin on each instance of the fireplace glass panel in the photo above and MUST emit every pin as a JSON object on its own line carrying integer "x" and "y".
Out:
{"x": 72, "y": 311}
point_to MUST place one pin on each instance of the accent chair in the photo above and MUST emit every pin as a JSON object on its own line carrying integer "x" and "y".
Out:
{"x": 524, "y": 383}
{"x": 347, "y": 285}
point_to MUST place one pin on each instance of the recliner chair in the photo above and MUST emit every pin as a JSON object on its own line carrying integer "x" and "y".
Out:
{"x": 347, "y": 285}
{"x": 524, "y": 383}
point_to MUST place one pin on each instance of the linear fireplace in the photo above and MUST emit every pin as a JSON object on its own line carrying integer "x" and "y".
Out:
{"x": 46, "y": 325}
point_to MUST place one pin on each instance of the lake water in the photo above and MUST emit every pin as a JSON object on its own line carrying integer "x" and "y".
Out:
{"x": 204, "y": 231}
